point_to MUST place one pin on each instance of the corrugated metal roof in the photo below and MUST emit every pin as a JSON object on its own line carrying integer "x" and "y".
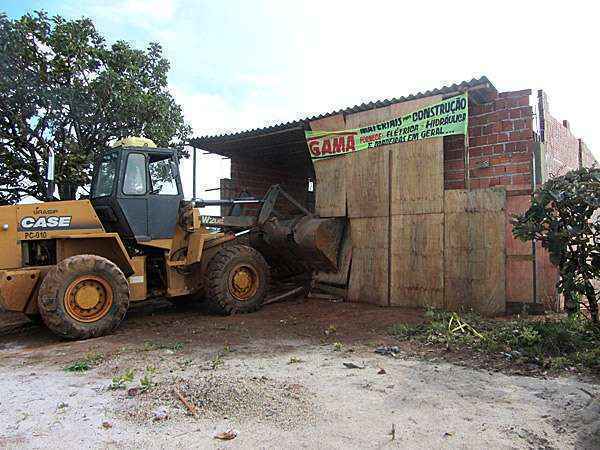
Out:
{"x": 479, "y": 90}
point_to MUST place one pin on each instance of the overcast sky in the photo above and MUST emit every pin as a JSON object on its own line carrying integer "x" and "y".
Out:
{"x": 245, "y": 64}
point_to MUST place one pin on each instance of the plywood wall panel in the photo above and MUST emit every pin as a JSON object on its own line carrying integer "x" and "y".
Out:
{"x": 367, "y": 184}
{"x": 417, "y": 263}
{"x": 330, "y": 189}
{"x": 474, "y": 250}
{"x": 418, "y": 177}
{"x": 369, "y": 270}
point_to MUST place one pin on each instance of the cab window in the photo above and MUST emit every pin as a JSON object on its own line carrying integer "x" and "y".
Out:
{"x": 135, "y": 175}
{"x": 162, "y": 176}
{"x": 106, "y": 176}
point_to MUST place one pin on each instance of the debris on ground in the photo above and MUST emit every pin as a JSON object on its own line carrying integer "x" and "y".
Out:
{"x": 160, "y": 414}
{"x": 226, "y": 435}
{"x": 107, "y": 425}
{"x": 381, "y": 371}
{"x": 216, "y": 396}
{"x": 189, "y": 406}
{"x": 351, "y": 365}
{"x": 393, "y": 432}
{"x": 393, "y": 351}
{"x": 132, "y": 392}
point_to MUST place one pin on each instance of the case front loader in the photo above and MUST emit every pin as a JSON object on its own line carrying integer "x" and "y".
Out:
{"x": 79, "y": 264}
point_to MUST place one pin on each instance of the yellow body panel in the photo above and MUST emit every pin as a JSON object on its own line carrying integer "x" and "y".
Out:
{"x": 138, "y": 282}
{"x": 10, "y": 249}
{"x": 56, "y": 219}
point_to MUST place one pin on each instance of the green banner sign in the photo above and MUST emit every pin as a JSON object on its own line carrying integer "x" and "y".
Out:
{"x": 445, "y": 118}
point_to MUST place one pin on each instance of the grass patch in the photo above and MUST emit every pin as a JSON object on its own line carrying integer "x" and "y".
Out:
{"x": 551, "y": 343}
{"x": 121, "y": 381}
{"x": 89, "y": 360}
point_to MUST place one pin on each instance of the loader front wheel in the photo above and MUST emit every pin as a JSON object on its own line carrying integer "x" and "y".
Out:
{"x": 237, "y": 280}
{"x": 83, "y": 296}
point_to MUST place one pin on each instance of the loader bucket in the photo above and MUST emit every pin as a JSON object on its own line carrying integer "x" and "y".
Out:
{"x": 302, "y": 244}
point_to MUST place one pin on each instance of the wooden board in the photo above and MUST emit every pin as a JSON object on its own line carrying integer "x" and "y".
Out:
{"x": 367, "y": 183}
{"x": 418, "y": 177}
{"x": 474, "y": 250}
{"x": 417, "y": 266}
{"x": 330, "y": 188}
{"x": 369, "y": 270}
{"x": 368, "y": 187}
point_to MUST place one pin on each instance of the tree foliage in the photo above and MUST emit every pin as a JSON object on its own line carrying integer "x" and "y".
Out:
{"x": 564, "y": 217}
{"x": 63, "y": 88}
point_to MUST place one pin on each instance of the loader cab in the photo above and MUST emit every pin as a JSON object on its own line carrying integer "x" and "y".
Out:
{"x": 136, "y": 191}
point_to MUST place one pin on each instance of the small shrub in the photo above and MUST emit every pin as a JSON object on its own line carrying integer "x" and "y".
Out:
{"x": 90, "y": 360}
{"x": 121, "y": 381}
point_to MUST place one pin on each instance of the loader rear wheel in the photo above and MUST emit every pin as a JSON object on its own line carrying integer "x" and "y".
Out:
{"x": 237, "y": 280}
{"x": 83, "y": 296}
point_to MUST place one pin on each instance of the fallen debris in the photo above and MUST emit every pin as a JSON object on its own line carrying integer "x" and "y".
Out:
{"x": 388, "y": 351}
{"x": 226, "y": 435}
{"x": 132, "y": 392}
{"x": 106, "y": 425}
{"x": 161, "y": 414}
{"x": 381, "y": 371}
{"x": 351, "y": 365}
{"x": 189, "y": 406}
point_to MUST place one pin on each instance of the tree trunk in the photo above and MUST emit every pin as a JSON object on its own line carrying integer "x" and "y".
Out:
{"x": 590, "y": 293}
{"x": 67, "y": 191}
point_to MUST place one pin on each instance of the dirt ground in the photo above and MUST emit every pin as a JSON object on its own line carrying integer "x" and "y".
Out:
{"x": 278, "y": 378}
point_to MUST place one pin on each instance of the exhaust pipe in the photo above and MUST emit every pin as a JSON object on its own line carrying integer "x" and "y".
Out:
{"x": 50, "y": 176}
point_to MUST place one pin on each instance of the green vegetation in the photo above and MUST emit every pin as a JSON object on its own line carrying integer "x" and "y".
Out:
{"x": 120, "y": 381}
{"x": 90, "y": 360}
{"x": 563, "y": 217}
{"x": 65, "y": 87}
{"x": 551, "y": 343}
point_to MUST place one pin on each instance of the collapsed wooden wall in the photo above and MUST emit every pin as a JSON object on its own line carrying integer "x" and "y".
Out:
{"x": 413, "y": 244}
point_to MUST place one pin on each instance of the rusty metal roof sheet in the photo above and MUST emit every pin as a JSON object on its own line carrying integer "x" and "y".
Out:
{"x": 479, "y": 90}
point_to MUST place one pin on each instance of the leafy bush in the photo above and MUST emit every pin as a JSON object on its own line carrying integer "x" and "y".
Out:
{"x": 564, "y": 217}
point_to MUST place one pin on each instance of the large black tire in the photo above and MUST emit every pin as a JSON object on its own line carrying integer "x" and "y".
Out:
{"x": 59, "y": 304}
{"x": 225, "y": 295}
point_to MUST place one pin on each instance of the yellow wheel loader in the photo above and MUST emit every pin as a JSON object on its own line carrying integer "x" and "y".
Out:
{"x": 79, "y": 264}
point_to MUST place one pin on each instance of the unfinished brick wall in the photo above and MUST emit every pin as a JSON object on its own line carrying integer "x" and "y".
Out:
{"x": 561, "y": 147}
{"x": 255, "y": 176}
{"x": 586, "y": 158}
{"x": 501, "y": 143}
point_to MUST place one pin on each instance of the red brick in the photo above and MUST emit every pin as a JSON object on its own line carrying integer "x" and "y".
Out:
{"x": 482, "y": 183}
{"x": 499, "y": 160}
{"x": 503, "y": 115}
{"x": 500, "y": 181}
{"x": 456, "y": 154}
{"x": 521, "y": 179}
{"x": 475, "y": 131}
{"x": 518, "y": 168}
{"x": 523, "y": 101}
{"x": 480, "y": 173}
{"x": 506, "y": 125}
{"x": 454, "y": 185}
{"x": 520, "y": 158}
{"x": 515, "y": 93}
{"x": 487, "y": 129}
{"x": 454, "y": 175}
{"x": 500, "y": 104}
{"x": 503, "y": 137}
{"x": 477, "y": 151}
{"x": 454, "y": 165}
